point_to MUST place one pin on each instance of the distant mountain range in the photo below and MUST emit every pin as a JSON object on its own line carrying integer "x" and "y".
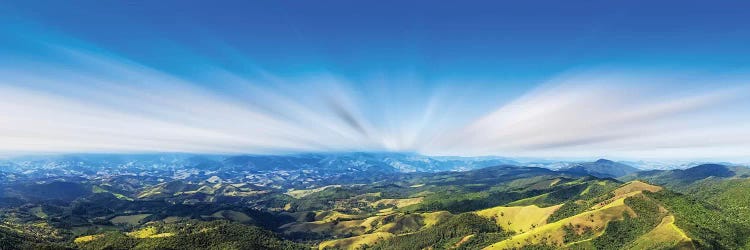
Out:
{"x": 387, "y": 162}
{"x": 679, "y": 178}
{"x": 380, "y": 162}
{"x": 321, "y": 162}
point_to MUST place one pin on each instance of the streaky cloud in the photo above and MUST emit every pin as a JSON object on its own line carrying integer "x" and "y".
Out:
{"x": 603, "y": 113}
{"x": 93, "y": 101}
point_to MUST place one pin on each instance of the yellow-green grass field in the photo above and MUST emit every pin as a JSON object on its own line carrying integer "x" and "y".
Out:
{"x": 528, "y": 201}
{"x": 394, "y": 223}
{"x": 328, "y": 216}
{"x": 596, "y": 219}
{"x": 553, "y": 233}
{"x": 626, "y": 190}
{"x": 98, "y": 189}
{"x": 665, "y": 236}
{"x": 518, "y": 218}
{"x": 148, "y": 232}
{"x": 398, "y": 203}
{"x": 38, "y": 212}
{"x": 356, "y": 242}
{"x": 87, "y": 238}
{"x": 305, "y": 192}
{"x": 635, "y": 186}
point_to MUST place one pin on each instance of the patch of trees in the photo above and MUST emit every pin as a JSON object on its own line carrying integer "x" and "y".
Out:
{"x": 568, "y": 209}
{"x": 465, "y": 202}
{"x": 564, "y": 193}
{"x": 446, "y": 234}
{"x": 325, "y": 199}
{"x": 482, "y": 240}
{"x": 576, "y": 232}
{"x": 197, "y": 235}
{"x": 8, "y": 238}
{"x": 13, "y": 240}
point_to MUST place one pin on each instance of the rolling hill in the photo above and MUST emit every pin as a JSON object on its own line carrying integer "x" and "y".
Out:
{"x": 211, "y": 203}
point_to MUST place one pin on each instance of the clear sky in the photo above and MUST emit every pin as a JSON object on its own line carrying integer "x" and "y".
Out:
{"x": 621, "y": 79}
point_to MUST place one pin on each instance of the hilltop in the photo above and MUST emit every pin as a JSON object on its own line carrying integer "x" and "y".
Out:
{"x": 602, "y": 168}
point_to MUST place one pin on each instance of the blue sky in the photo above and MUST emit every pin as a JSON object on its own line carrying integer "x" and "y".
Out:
{"x": 623, "y": 79}
{"x": 482, "y": 39}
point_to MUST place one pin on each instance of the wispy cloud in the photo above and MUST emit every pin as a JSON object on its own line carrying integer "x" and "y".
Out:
{"x": 601, "y": 113}
{"x": 98, "y": 102}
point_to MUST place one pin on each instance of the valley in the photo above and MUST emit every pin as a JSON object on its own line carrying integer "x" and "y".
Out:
{"x": 360, "y": 201}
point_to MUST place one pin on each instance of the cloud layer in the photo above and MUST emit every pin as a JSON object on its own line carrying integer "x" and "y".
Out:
{"x": 605, "y": 114}
{"x": 95, "y": 102}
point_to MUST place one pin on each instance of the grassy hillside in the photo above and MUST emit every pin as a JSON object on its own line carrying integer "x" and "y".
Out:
{"x": 600, "y": 225}
{"x": 518, "y": 219}
{"x": 666, "y": 235}
{"x": 591, "y": 214}
{"x": 504, "y": 207}
{"x": 615, "y": 215}
{"x": 707, "y": 225}
{"x": 356, "y": 242}
{"x": 342, "y": 225}
{"x": 590, "y": 222}
{"x": 443, "y": 235}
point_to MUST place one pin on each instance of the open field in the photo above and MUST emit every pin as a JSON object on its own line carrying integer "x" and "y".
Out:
{"x": 517, "y": 219}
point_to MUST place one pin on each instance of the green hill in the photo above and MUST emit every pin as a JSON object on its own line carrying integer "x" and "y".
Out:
{"x": 189, "y": 235}
{"x": 680, "y": 179}
{"x": 502, "y": 207}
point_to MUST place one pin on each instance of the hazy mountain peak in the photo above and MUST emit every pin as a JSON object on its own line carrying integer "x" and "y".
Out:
{"x": 602, "y": 168}
{"x": 604, "y": 161}
{"x": 704, "y": 171}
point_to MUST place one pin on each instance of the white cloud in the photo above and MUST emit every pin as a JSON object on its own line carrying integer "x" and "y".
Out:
{"x": 103, "y": 103}
{"x": 608, "y": 114}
